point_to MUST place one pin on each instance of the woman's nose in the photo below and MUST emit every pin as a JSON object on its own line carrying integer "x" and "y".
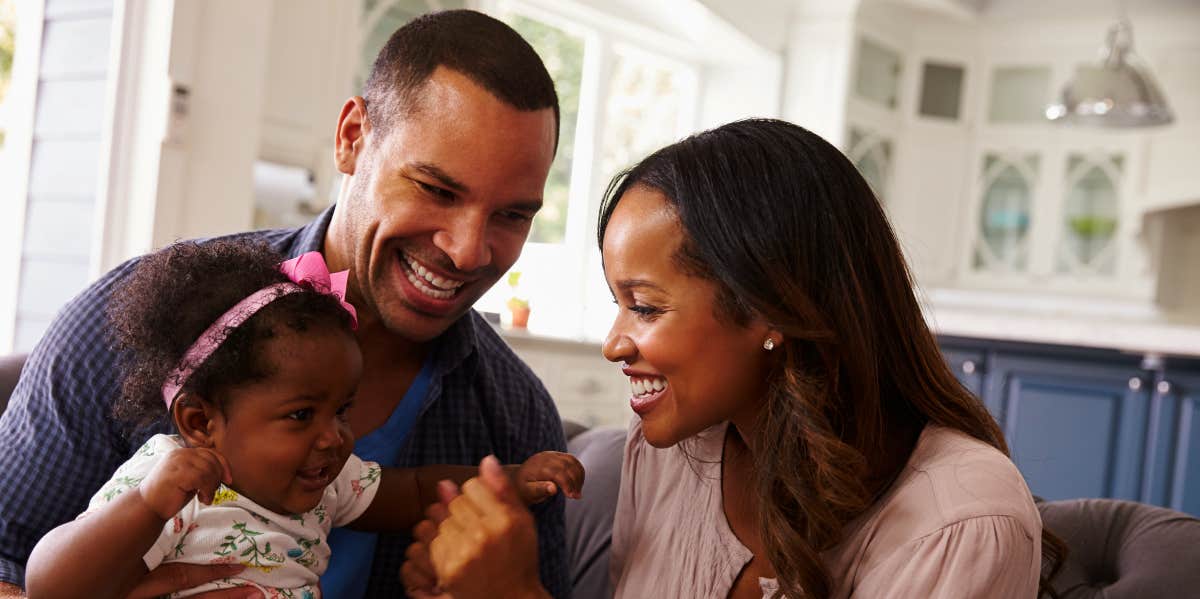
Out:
{"x": 618, "y": 347}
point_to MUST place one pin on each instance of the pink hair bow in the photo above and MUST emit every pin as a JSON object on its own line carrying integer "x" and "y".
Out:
{"x": 308, "y": 268}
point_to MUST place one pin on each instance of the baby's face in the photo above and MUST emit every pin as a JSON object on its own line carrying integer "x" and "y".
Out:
{"x": 286, "y": 437}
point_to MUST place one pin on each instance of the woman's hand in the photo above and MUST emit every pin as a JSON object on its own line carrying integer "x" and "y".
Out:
{"x": 480, "y": 543}
{"x": 543, "y": 474}
{"x": 168, "y": 578}
{"x": 183, "y": 474}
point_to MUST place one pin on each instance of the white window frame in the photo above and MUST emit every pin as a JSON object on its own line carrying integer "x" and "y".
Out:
{"x": 604, "y": 36}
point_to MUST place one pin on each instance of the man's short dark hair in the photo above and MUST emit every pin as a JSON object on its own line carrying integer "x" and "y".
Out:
{"x": 482, "y": 48}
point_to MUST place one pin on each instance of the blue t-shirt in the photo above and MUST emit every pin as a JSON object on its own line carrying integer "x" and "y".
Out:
{"x": 354, "y": 550}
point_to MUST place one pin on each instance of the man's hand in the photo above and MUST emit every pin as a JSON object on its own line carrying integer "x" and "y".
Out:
{"x": 543, "y": 474}
{"x": 168, "y": 578}
{"x": 183, "y": 474}
{"x": 480, "y": 544}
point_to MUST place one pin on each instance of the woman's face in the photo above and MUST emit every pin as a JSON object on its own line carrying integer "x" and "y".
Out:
{"x": 688, "y": 368}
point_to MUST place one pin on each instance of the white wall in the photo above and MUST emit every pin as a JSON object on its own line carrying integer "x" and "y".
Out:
{"x": 220, "y": 56}
{"x": 60, "y": 159}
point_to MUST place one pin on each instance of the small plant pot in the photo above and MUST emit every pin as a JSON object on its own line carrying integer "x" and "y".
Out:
{"x": 520, "y": 316}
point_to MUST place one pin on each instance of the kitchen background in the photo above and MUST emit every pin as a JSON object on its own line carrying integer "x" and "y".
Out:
{"x": 1057, "y": 261}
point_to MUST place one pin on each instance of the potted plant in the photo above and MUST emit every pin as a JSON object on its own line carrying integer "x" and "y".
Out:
{"x": 518, "y": 306}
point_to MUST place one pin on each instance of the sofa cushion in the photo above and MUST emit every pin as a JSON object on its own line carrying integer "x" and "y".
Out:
{"x": 1124, "y": 549}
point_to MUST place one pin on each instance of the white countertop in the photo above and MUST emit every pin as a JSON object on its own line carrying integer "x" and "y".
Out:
{"x": 1124, "y": 326}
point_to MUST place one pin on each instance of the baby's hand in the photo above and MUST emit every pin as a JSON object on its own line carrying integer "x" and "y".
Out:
{"x": 543, "y": 474}
{"x": 183, "y": 474}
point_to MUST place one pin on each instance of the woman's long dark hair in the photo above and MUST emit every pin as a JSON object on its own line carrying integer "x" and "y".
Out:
{"x": 786, "y": 227}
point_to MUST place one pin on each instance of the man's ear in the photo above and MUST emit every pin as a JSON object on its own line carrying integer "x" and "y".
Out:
{"x": 194, "y": 419}
{"x": 350, "y": 138}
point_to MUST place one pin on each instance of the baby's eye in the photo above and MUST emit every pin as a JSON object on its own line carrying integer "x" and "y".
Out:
{"x": 345, "y": 408}
{"x": 301, "y": 415}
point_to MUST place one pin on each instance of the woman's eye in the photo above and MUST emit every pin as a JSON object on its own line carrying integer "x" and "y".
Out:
{"x": 301, "y": 415}
{"x": 644, "y": 311}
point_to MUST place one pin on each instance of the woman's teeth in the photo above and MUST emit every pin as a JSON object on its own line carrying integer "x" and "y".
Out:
{"x": 647, "y": 386}
{"x": 428, "y": 283}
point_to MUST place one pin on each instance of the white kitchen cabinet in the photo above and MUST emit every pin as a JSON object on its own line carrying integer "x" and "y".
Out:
{"x": 945, "y": 118}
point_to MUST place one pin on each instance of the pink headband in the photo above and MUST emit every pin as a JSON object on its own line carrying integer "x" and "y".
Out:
{"x": 307, "y": 268}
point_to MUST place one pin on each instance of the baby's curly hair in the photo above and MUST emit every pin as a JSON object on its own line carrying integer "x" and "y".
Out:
{"x": 174, "y": 294}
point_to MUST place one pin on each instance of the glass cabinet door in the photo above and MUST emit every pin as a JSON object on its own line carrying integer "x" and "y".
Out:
{"x": 1019, "y": 95}
{"x": 872, "y": 156}
{"x": 877, "y": 75}
{"x": 1002, "y": 243}
{"x": 1090, "y": 215}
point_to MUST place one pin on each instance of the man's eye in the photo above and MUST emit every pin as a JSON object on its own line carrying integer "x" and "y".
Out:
{"x": 435, "y": 190}
{"x": 518, "y": 217}
{"x": 301, "y": 415}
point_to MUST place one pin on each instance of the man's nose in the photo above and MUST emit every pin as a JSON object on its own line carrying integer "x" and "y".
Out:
{"x": 465, "y": 242}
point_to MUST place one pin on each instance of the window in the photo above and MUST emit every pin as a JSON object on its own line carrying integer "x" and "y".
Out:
{"x": 8, "y": 28}
{"x": 562, "y": 52}
{"x": 619, "y": 100}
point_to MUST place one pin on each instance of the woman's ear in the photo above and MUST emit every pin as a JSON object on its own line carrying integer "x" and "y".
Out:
{"x": 194, "y": 418}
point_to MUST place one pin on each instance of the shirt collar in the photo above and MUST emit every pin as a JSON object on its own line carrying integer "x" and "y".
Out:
{"x": 311, "y": 237}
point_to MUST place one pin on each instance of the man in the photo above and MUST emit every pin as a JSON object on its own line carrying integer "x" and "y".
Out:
{"x": 445, "y": 158}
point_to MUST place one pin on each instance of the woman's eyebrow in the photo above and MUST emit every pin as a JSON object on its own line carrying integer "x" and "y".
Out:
{"x": 631, "y": 284}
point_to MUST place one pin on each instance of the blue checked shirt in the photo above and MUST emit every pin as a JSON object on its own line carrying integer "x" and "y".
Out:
{"x": 58, "y": 443}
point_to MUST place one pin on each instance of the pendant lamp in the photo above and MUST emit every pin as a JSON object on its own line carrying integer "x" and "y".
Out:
{"x": 1118, "y": 92}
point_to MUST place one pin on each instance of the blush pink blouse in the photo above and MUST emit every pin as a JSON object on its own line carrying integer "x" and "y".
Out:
{"x": 959, "y": 522}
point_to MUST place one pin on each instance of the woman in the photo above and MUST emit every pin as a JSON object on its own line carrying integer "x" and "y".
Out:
{"x": 799, "y": 434}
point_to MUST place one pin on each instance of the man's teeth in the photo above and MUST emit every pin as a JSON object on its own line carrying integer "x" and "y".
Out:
{"x": 647, "y": 386}
{"x": 429, "y": 283}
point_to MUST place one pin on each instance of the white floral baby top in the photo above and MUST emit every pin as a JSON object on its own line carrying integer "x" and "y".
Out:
{"x": 284, "y": 555}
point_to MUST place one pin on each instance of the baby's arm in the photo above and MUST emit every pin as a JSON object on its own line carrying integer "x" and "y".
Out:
{"x": 404, "y": 493}
{"x": 100, "y": 555}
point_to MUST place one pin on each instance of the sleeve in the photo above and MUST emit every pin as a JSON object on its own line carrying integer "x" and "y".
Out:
{"x": 626, "y": 515}
{"x": 986, "y": 557}
{"x": 354, "y": 489}
{"x": 57, "y": 442}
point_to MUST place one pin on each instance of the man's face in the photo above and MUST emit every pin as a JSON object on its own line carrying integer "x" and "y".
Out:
{"x": 440, "y": 206}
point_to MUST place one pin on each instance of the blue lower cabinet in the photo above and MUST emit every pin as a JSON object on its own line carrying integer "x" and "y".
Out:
{"x": 1182, "y": 395}
{"x": 1075, "y": 428}
{"x": 1088, "y": 422}
{"x": 968, "y": 365}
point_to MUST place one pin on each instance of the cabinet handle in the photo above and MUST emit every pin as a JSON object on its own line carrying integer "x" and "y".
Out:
{"x": 968, "y": 367}
{"x": 1163, "y": 387}
{"x": 1135, "y": 383}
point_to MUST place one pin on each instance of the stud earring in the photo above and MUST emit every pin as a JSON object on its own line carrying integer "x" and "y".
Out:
{"x": 769, "y": 344}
